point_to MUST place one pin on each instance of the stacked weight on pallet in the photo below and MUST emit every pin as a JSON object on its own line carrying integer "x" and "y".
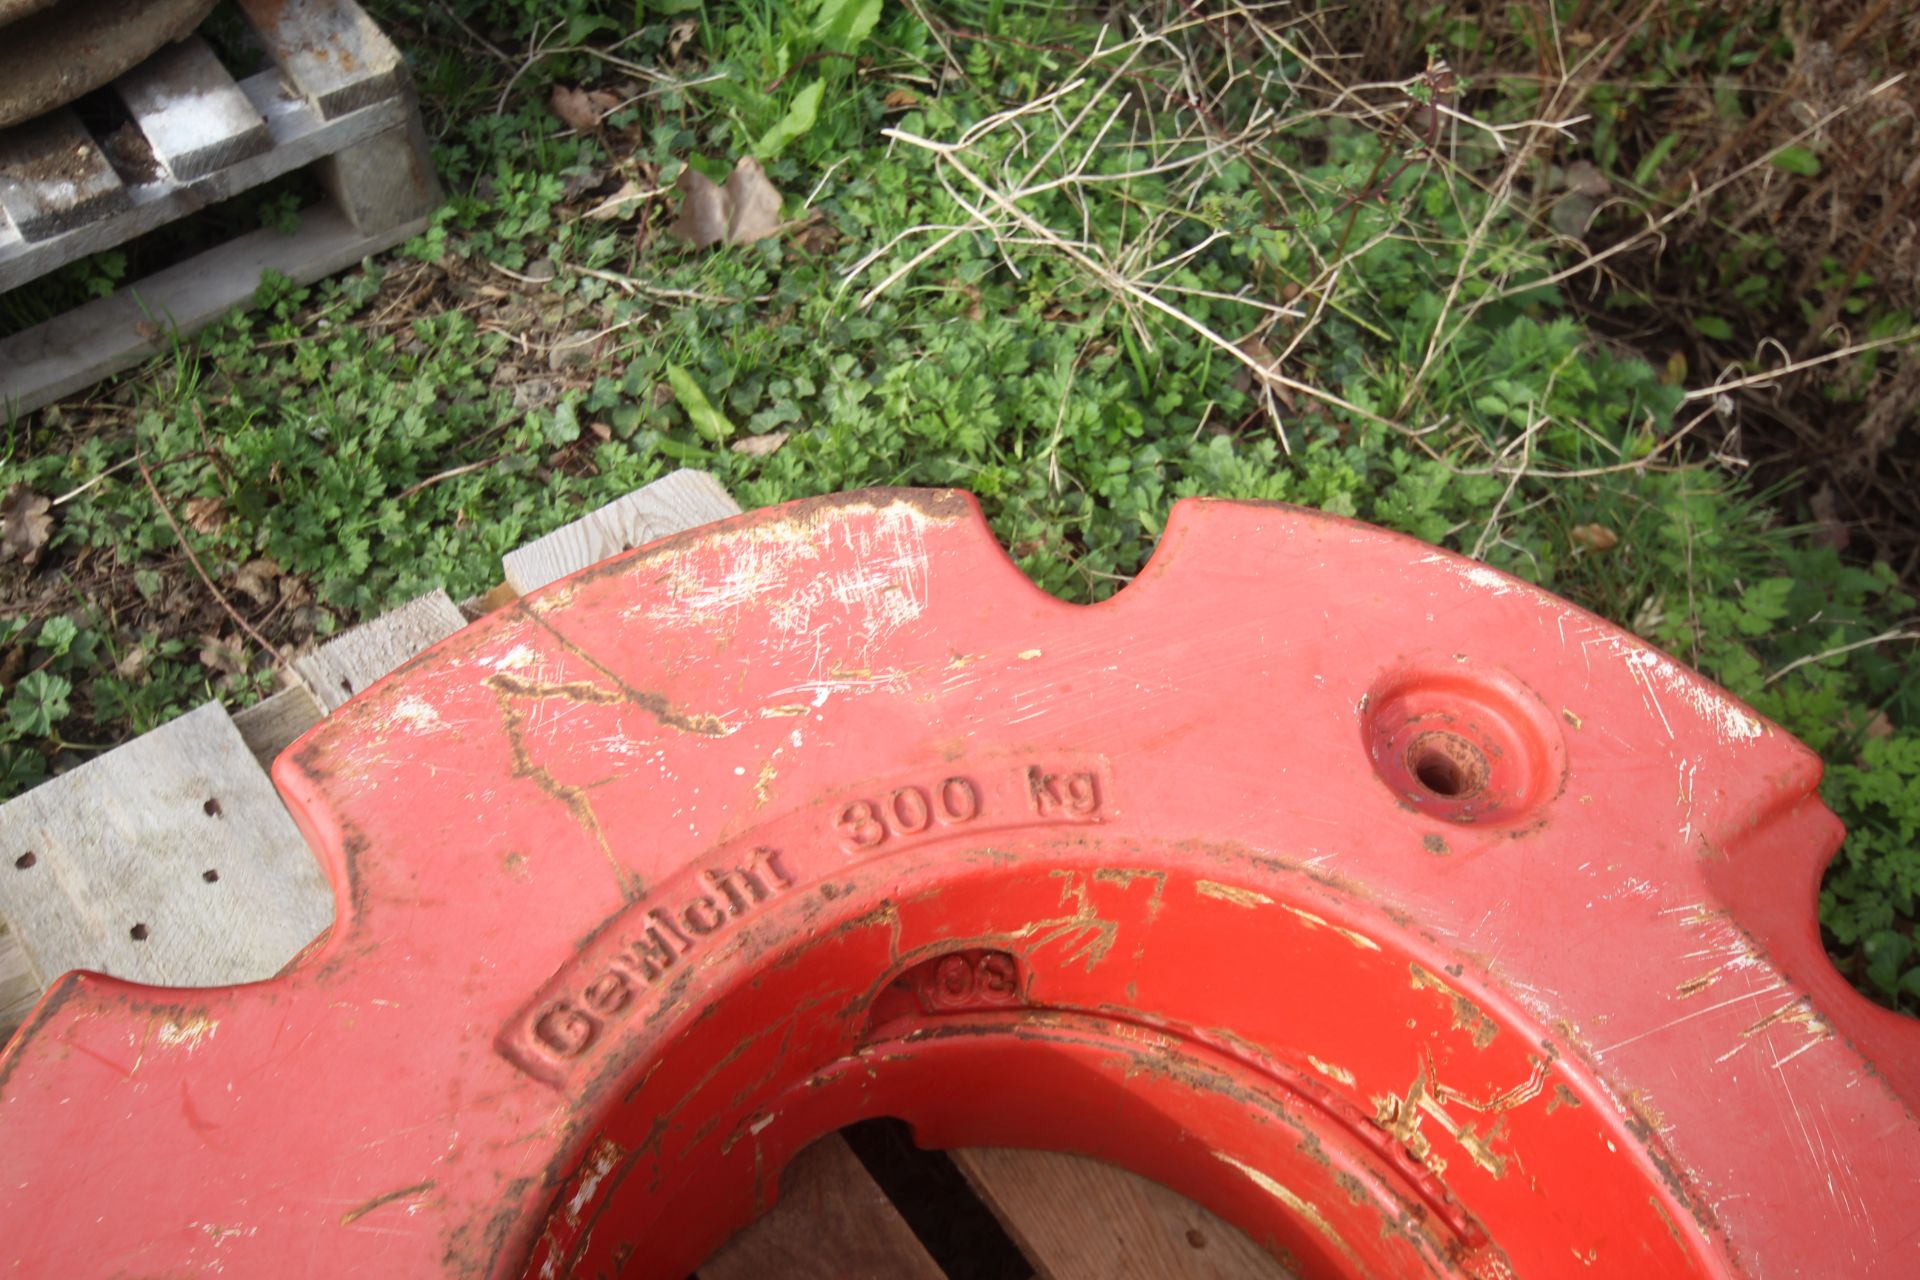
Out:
{"x": 337, "y": 98}
{"x": 172, "y": 861}
{"x": 56, "y": 50}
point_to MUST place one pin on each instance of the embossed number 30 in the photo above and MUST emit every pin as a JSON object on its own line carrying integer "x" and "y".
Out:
{"x": 908, "y": 811}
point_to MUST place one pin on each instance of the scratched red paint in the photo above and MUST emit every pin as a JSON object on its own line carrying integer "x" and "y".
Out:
{"x": 1416, "y": 921}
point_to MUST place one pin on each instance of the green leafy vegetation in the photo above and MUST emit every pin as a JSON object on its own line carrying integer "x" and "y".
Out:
{"x": 1018, "y": 257}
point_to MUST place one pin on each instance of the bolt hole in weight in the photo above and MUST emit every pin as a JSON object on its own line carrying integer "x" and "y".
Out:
{"x": 1464, "y": 743}
{"x": 1448, "y": 765}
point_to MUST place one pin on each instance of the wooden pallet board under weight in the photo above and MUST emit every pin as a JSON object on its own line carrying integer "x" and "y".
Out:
{"x": 1078, "y": 1219}
{"x": 337, "y": 101}
{"x": 169, "y": 860}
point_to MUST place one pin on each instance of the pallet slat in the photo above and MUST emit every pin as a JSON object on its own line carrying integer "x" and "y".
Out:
{"x": 19, "y": 990}
{"x": 54, "y": 177}
{"x": 76, "y": 350}
{"x": 677, "y": 501}
{"x": 193, "y": 114}
{"x": 1079, "y": 1219}
{"x": 385, "y": 180}
{"x": 349, "y": 662}
{"x": 338, "y": 100}
{"x": 832, "y": 1222}
{"x": 300, "y": 137}
{"x": 331, "y": 51}
{"x": 271, "y": 724}
{"x": 169, "y": 860}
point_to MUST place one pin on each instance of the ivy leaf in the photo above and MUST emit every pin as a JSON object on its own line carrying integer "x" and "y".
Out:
{"x": 39, "y": 702}
{"x": 707, "y": 420}
{"x": 795, "y": 124}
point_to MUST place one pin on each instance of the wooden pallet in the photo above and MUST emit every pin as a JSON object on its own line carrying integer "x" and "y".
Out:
{"x": 171, "y": 860}
{"x": 337, "y": 99}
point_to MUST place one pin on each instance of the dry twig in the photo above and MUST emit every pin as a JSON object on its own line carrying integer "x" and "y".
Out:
{"x": 193, "y": 559}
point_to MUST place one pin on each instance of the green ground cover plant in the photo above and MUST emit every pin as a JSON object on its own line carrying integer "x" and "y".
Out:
{"x": 1078, "y": 267}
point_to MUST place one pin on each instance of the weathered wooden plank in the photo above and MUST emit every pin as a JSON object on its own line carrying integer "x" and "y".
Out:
{"x": 832, "y": 1222}
{"x": 300, "y": 137}
{"x": 75, "y": 350}
{"x": 498, "y": 596}
{"x": 270, "y": 725}
{"x": 1079, "y": 1219}
{"x": 682, "y": 500}
{"x": 331, "y": 51}
{"x": 53, "y": 177}
{"x": 384, "y": 181}
{"x": 349, "y": 662}
{"x": 19, "y": 990}
{"x": 194, "y": 116}
{"x": 167, "y": 860}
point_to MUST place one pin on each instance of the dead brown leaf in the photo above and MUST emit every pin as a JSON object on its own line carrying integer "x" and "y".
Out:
{"x": 760, "y": 446}
{"x": 746, "y": 209}
{"x": 206, "y": 515}
{"x": 535, "y": 393}
{"x": 574, "y": 351}
{"x": 900, "y": 99}
{"x": 222, "y": 655}
{"x": 971, "y": 292}
{"x": 255, "y": 579}
{"x": 581, "y": 180}
{"x": 1583, "y": 177}
{"x": 294, "y": 590}
{"x": 816, "y": 235}
{"x": 132, "y": 662}
{"x": 25, "y": 525}
{"x": 677, "y": 36}
{"x": 1831, "y": 530}
{"x": 582, "y": 109}
{"x": 621, "y": 203}
{"x": 1595, "y": 537}
{"x": 1256, "y": 350}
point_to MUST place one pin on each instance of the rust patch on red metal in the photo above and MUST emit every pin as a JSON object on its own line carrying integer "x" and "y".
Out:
{"x": 361, "y": 1210}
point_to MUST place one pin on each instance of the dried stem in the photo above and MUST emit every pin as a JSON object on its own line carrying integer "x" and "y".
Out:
{"x": 193, "y": 559}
